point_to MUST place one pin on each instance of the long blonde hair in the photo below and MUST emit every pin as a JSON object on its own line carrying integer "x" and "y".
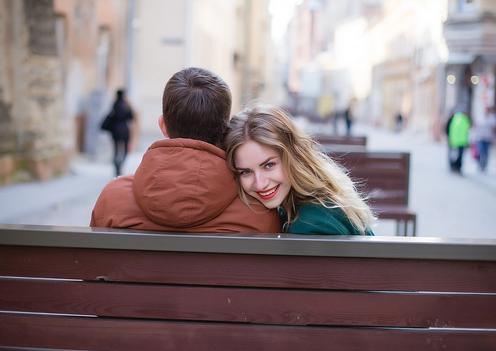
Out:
{"x": 314, "y": 176}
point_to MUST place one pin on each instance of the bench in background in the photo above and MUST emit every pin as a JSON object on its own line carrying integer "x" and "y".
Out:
{"x": 357, "y": 140}
{"x": 78, "y": 288}
{"x": 341, "y": 143}
{"x": 385, "y": 178}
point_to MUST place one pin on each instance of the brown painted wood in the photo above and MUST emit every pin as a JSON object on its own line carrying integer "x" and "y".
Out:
{"x": 249, "y": 270}
{"x": 115, "y": 334}
{"x": 384, "y": 177}
{"x": 262, "y": 306}
{"x": 341, "y": 140}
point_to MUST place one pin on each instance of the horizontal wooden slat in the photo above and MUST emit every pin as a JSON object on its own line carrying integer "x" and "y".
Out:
{"x": 249, "y": 270}
{"x": 375, "y": 162}
{"x": 384, "y": 177}
{"x": 114, "y": 334}
{"x": 341, "y": 140}
{"x": 263, "y": 306}
{"x": 417, "y": 248}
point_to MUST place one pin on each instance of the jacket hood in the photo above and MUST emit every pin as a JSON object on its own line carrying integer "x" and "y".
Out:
{"x": 183, "y": 182}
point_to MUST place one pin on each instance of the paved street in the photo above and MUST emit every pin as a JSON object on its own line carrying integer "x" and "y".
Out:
{"x": 447, "y": 205}
{"x": 68, "y": 200}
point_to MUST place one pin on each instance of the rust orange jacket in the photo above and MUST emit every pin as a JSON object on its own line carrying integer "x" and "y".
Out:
{"x": 181, "y": 185}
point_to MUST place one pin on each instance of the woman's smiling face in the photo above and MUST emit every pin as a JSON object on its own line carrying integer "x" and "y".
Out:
{"x": 261, "y": 173}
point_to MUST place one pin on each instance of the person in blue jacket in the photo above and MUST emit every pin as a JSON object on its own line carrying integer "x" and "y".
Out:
{"x": 278, "y": 165}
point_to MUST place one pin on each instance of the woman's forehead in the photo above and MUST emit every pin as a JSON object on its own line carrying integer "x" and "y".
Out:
{"x": 252, "y": 153}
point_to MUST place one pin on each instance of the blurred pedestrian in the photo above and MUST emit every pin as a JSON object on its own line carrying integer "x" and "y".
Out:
{"x": 457, "y": 128}
{"x": 117, "y": 123}
{"x": 348, "y": 119}
{"x": 335, "y": 119}
{"x": 399, "y": 122}
{"x": 484, "y": 134}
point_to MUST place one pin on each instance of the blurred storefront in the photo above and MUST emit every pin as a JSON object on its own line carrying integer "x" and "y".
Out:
{"x": 470, "y": 33}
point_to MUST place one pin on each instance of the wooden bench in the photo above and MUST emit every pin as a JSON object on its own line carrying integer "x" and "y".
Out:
{"x": 385, "y": 178}
{"x": 333, "y": 143}
{"x": 82, "y": 288}
{"x": 342, "y": 140}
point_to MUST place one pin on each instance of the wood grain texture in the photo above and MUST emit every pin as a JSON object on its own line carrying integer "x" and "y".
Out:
{"x": 383, "y": 176}
{"x": 111, "y": 334}
{"x": 250, "y": 270}
{"x": 261, "y": 306}
{"x": 357, "y": 140}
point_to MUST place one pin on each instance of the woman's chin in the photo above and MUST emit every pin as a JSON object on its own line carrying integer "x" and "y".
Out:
{"x": 254, "y": 201}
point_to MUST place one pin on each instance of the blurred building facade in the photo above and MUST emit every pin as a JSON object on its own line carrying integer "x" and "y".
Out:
{"x": 230, "y": 38}
{"x": 419, "y": 58}
{"x": 304, "y": 81}
{"x": 58, "y": 59}
{"x": 407, "y": 70}
{"x": 62, "y": 60}
{"x": 385, "y": 54}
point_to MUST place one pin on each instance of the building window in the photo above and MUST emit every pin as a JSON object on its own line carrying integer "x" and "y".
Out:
{"x": 465, "y": 5}
{"x": 103, "y": 56}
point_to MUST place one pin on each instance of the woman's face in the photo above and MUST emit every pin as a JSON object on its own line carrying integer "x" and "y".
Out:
{"x": 261, "y": 173}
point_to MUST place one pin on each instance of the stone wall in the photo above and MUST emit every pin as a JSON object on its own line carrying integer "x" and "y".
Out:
{"x": 43, "y": 42}
{"x": 33, "y": 135}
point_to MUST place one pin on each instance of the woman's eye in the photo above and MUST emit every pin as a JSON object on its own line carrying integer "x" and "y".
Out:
{"x": 269, "y": 165}
{"x": 243, "y": 172}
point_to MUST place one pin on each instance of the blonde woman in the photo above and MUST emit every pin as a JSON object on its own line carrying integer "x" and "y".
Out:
{"x": 278, "y": 165}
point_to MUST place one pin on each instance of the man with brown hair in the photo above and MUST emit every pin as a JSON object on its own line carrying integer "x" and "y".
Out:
{"x": 183, "y": 183}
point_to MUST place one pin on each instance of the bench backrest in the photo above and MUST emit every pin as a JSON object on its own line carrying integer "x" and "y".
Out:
{"x": 79, "y": 288}
{"x": 383, "y": 176}
{"x": 357, "y": 140}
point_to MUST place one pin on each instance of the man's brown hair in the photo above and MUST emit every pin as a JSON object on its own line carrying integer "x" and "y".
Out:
{"x": 196, "y": 104}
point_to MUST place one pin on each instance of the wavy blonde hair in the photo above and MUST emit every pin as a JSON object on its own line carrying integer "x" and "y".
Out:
{"x": 314, "y": 176}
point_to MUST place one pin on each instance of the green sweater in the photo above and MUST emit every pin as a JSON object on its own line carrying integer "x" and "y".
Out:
{"x": 458, "y": 130}
{"x": 317, "y": 219}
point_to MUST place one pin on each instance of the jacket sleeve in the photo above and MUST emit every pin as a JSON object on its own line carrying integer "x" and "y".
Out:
{"x": 240, "y": 218}
{"x": 99, "y": 215}
{"x": 115, "y": 206}
{"x": 93, "y": 221}
{"x": 317, "y": 220}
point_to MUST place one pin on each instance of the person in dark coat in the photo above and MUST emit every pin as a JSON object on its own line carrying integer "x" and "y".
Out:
{"x": 348, "y": 120}
{"x": 399, "y": 122}
{"x": 121, "y": 116}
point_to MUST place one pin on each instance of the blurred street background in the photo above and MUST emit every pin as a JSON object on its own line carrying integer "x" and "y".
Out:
{"x": 61, "y": 62}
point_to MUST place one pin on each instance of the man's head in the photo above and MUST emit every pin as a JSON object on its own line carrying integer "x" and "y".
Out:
{"x": 119, "y": 94}
{"x": 196, "y": 104}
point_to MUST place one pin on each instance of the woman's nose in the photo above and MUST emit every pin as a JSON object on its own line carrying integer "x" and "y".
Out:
{"x": 260, "y": 181}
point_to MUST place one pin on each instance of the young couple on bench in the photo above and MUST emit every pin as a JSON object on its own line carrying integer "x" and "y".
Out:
{"x": 185, "y": 183}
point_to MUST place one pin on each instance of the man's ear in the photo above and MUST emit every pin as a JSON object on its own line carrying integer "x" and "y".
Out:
{"x": 163, "y": 126}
